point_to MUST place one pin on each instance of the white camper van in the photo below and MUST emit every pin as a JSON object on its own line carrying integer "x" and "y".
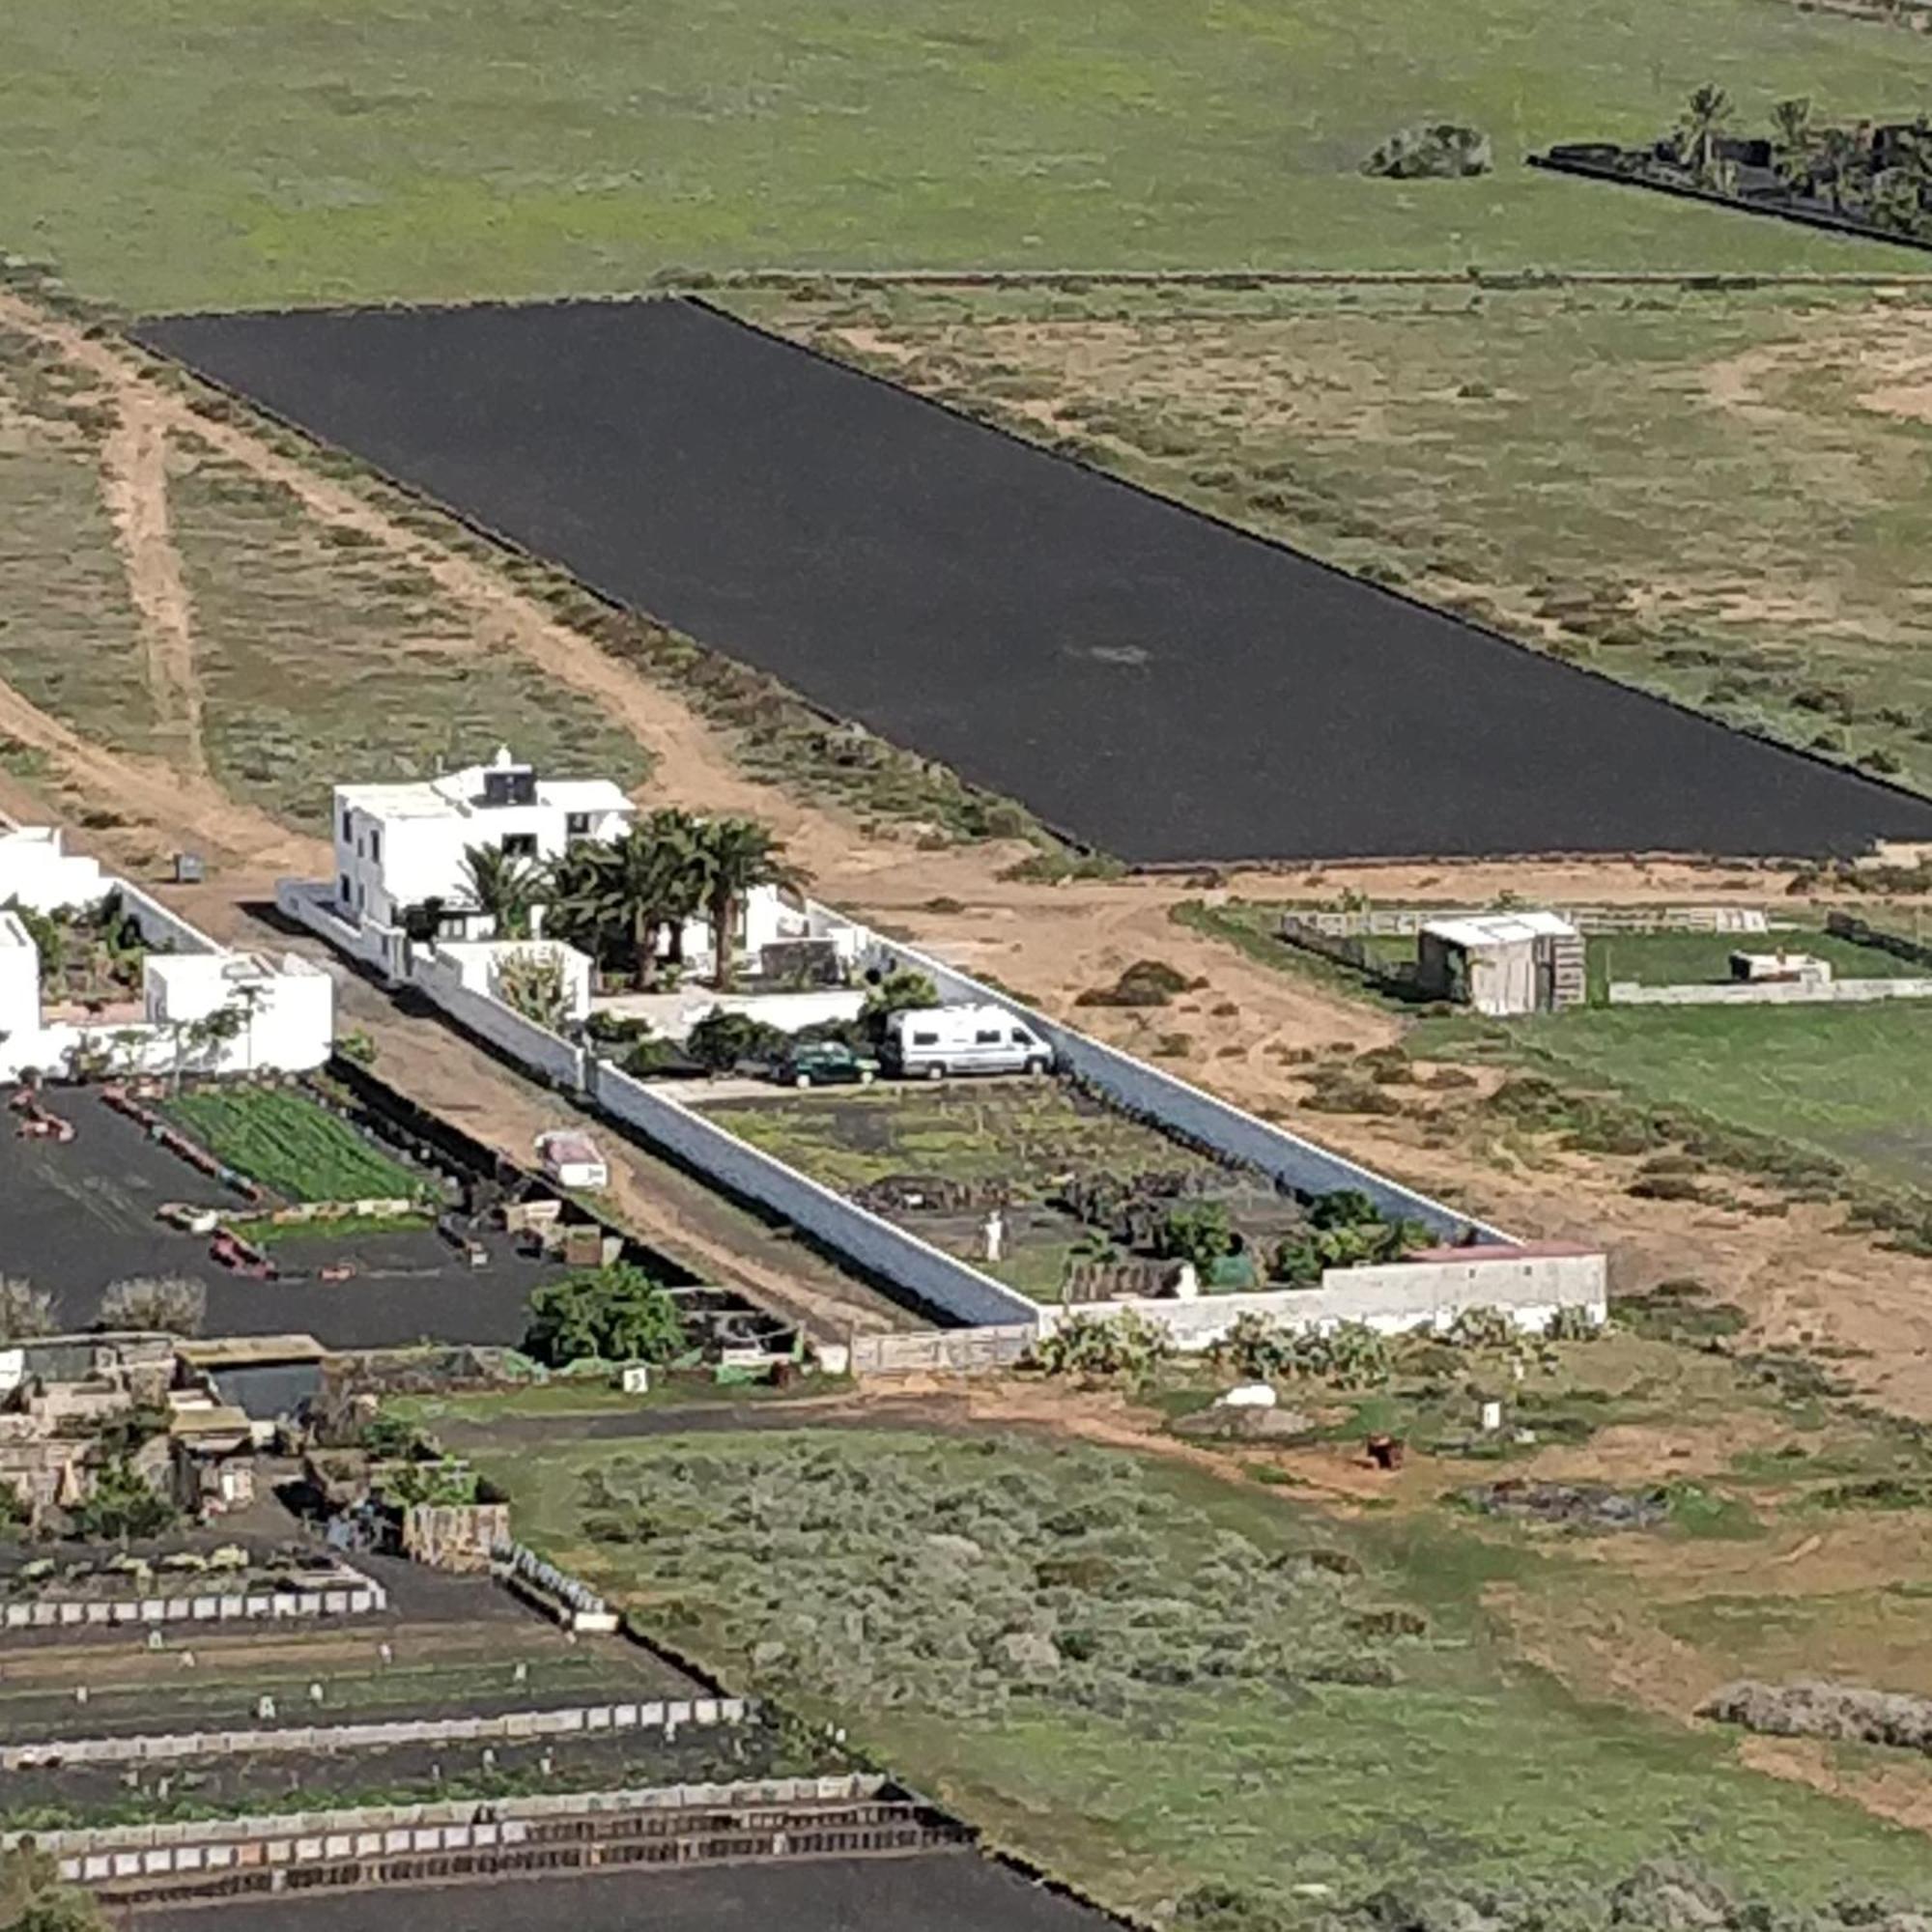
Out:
{"x": 930, "y": 1042}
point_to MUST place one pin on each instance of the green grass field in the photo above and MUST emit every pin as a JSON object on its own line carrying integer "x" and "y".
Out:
{"x": 1693, "y": 958}
{"x": 290, "y": 1145}
{"x": 217, "y": 153}
{"x": 1853, "y": 1082}
{"x": 1116, "y": 1732}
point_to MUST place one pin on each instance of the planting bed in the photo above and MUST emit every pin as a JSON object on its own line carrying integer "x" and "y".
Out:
{"x": 935, "y": 1891}
{"x": 281, "y": 1138}
{"x": 82, "y": 1215}
{"x": 936, "y": 1158}
{"x": 1160, "y": 685}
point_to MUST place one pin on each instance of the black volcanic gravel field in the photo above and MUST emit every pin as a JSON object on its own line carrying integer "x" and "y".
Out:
{"x": 1143, "y": 678}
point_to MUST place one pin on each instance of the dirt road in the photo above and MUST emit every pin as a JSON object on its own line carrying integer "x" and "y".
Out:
{"x": 1799, "y": 1276}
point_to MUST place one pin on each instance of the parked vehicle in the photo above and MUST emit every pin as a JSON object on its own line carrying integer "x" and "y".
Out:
{"x": 930, "y": 1042}
{"x": 825, "y": 1062}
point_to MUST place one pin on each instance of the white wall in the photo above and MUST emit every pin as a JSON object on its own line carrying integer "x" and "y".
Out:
{"x": 1770, "y": 993}
{"x": 1392, "y": 1298}
{"x": 477, "y": 960}
{"x": 872, "y": 1242}
{"x": 19, "y": 989}
{"x": 487, "y": 1016}
{"x": 35, "y": 870}
{"x": 158, "y": 925}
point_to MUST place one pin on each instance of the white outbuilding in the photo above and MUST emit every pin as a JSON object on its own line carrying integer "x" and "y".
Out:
{"x": 1503, "y": 962}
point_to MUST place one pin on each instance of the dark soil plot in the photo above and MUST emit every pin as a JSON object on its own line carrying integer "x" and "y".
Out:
{"x": 76, "y": 1217}
{"x": 1142, "y": 677}
{"x": 935, "y": 1892}
{"x": 414, "y": 1773}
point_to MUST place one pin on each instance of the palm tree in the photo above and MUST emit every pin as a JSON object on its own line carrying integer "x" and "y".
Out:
{"x": 1793, "y": 144}
{"x": 503, "y": 886}
{"x": 739, "y": 855}
{"x": 1697, "y": 130}
{"x": 625, "y": 894}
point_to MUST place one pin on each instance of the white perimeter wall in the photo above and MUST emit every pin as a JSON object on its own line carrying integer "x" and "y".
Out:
{"x": 1238, "y": 1136}
{"x": 954, "y": 1286}
{"x": 34, "y": 870}
{"x": 1770, "y": 993}
{"x": 1393, "y": 1299}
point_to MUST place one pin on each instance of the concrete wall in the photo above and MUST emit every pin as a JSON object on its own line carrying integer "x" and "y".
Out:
{"x": 353, "y": 1596}
{"x": 674, "y": 1015}
{"x": 1392, "y": 1299}
{"x": 1770, "y": 993}
{"x": 90, "y": 1854}
{"x": 865, "y": 1238}
{"x": 37, "y": 870}
{"x": 478, "y": 962}
{"x": 1399, "y": 922}
{"x": 507, "y": 1727}
{"x": 483, "y": 1014}
{"x": 1199, "y": 1117}
{"x": 385, "y": 947}
{"x": 158, "y": 926}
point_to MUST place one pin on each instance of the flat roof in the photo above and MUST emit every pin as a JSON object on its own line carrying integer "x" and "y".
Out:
{"x": 1500, "y": 1251}
{"x": 459, "y": 795}
{"x": 242, "y": 1351}
{"x": 1501, "y": 929}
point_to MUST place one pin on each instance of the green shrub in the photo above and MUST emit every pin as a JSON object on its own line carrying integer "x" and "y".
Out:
{"x": 616, "y": 1314}
{"x": 721, "y": 1039}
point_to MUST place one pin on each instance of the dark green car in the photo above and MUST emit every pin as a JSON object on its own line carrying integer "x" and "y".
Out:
{"x": 825, "y": 1062}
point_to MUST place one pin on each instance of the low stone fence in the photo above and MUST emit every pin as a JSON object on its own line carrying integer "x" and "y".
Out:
{"x": 1393, "y": 1299}
{"x": 1769, "y": 993}
{"x": 353, "y": 1596}
{"x": 1861, "y": 932}
{"x": 955, "y": 1351}
{"x": 1404, "y": 921}
{"x": 567, "y": 1599}
{"x": 505, "y": 1727}
{"x": 111, "y": 1852}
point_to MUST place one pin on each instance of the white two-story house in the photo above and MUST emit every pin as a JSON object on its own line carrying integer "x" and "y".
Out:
{"x": 402, "y": 853}
{"x": 400, "y": 848}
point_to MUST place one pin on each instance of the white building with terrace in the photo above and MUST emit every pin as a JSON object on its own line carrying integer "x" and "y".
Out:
{"x": 402, "y": 849}
{"x": 98, "y": 977}
{"x": 403, "y": 899}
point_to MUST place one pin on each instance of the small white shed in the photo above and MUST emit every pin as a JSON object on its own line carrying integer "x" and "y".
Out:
{"x": 1503, "y": 962}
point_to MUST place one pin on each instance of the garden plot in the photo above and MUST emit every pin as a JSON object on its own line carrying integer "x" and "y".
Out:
{"x": 82, "y": 1215}
{"x": 308, "y": 1779}
{"x": 1075, "y": 1181}
{"x": 288, "y": 1142}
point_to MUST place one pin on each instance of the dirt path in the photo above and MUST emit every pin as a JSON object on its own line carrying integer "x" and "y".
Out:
{"x": 1239, "y": 1035}
{"x": 421, "y": 1057}
{"x": 135, "y": 483}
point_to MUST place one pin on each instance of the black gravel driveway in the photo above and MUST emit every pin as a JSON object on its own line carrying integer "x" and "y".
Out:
{"x": 1142, "y": 677}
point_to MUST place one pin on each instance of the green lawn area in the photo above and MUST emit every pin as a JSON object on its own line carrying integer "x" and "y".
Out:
{"x": 1692, "y": 959}
{"x": 223, "y": 153}
{"x": 1140, "y": 1677}
{"x": 290, "y": 1145}
{"x": 1854, "y": 1081}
